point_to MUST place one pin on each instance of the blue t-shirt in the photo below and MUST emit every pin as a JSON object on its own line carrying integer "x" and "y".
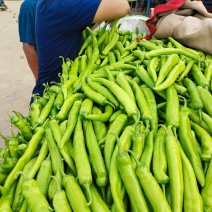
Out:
{"x": 59, "y": 25}
{"x": 26, "y": 21}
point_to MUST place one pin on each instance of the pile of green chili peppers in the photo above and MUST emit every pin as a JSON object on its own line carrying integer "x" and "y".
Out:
{"x": 128, "y": 128}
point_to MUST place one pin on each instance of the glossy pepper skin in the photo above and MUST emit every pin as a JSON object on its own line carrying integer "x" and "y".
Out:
{"x": 192, "y": 200}
{"x": 174, "y": 170}
{"x": 154, "y": 195}
{"x": 207, "y": 190}
{"x": 187, "y": 141}
{"x": 159, "y": 164}
{"x": 130, "y": 180}
{"x": 21, "y": 123}
{"x": 33, "y": 194}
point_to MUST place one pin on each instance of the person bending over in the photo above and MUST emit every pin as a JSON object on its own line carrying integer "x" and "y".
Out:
{"x": 59, "y": 26}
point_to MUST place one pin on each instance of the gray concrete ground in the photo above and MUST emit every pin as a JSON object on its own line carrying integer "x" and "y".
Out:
{"x": 16, "y": 80}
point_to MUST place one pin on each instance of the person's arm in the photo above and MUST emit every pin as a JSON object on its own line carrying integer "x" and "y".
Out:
{"x": 32, "y": 59}
{"x": 111, "y": 9}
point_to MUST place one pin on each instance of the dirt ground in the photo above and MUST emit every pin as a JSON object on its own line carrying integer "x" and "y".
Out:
{"x": 16, "y": 79}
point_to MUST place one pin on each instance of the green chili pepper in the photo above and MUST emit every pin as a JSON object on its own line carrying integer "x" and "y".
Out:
{"x": 8, "y": 164}
{"x": 187, "y": 69}
{"x": 116, "y": 127}
{"x": 155, "y": 195}
{"x": 130, "y": 181}
{"x": 117, "y": 54}
{"x": 206, "y": 98}
{"x": 179, "y": 45}
{"x": 111, "y": 58}
{"x": 104, "y": 117}
{"x": 120, "y": 47}
{"x": 7, "y": 200}
{"x": 44, "y": 174}
{"x": 140, "y": 54}
{"x": 104, "y": 62}
{"x": 122, "y": 96}
{"x": 65, "y": 70}
{"x": 172, "y": 76}
{"x": 103, "y": 90}
{"x": 111, "y": 43}
{"x": 162, "y": 61}
{"x": 101, "y": 39}
{"x": 159, "y": 160}
{"x": 95, "y": 155}
{"x": 32, "y": 193}
{"x": 208, "y": 73}
{"x": 206, "y": 141}
{"x": 42, "y": 101}
{"x": 100, "y": 128}
{"x": 74, "y": 68}
{"x": 192, "y": 200}
{"x": 208, "y": 120}
{"x": 89, "y": 51}
{"x": 75, "y": 194}
{"x": 145, "y": 77}
{"x": 18, "y": 197}
{"x": 86, "y": 107}
{"x": 124, "y": 84}
{"x": 117, "y": 66}
{"x": 206, "y": 190}
{"x": 83, "y": 76}
{"x": 188, "y": 144}
{"x": 59, "y": 99}
{"x": 95, "y": 53}
{"x": 35, "y": 110}
{"x": 196, "y": 102}
{"x": 60, "y": 201}
{"x": 85, "y": 45}
{"x": 174, "y": 170}
{"x": 168, "y": 51}
{"x": 57, "y": 134}
{"x": 83, "y": 166}
{"x": 146, "y": 156}
{"x": 19, "y": 121}
{"x": 64, "y": 111}
{"x": 138, "y": 141}
{"x": 45, "y": 111}
{"x": 162, "y": 116}
{"x": 114, "y": 176}
{"x": 181, "y": 90}
{"x": 83, "y": 63}
{"x": 56, "y": 158}
{"x": 144, "y": 108}
{"x": 98, "y": 204}
{"x": 133, "y": 43}
{"x": 172, "y": 108}
{"x": 148, "y": 45}
{"x": 72, "y": 120}
{"x": 199, "y": 76}
{"x": 13, "y": 144}
{"x": 193, "y": 115}
{"x": 151, "y": 101}
{"x": 152, "y": 66}
{"x": 33, "y": 171}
